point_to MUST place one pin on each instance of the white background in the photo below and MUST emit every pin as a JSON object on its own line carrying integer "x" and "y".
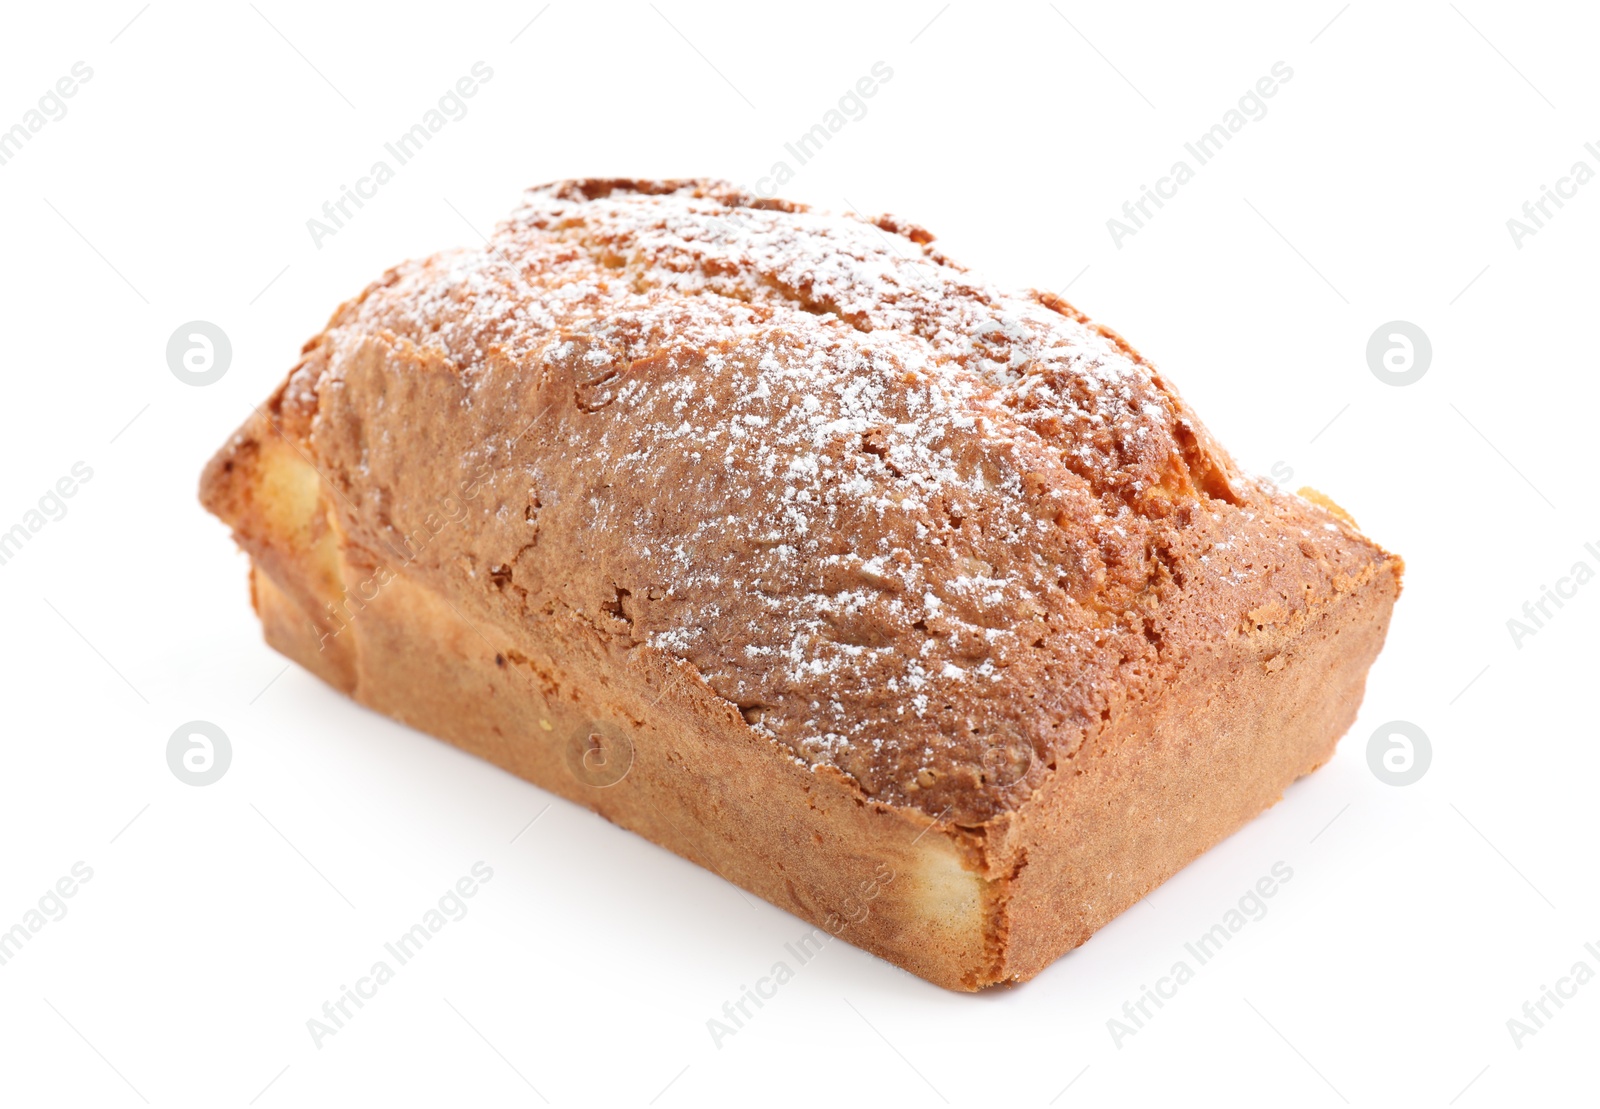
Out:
{"x": 177, "y": 186}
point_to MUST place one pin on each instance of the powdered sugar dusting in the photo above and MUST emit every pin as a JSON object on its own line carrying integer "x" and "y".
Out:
{"x": 877, "y": 502}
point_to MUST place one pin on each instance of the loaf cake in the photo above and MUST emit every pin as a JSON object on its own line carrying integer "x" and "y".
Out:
{"x": 925, "y": 610}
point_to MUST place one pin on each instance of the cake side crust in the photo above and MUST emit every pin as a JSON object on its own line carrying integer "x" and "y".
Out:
{"x": 1179, "y": 773}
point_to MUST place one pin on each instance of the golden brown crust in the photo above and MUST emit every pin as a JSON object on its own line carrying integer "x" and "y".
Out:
{"x": 936, "y": 545}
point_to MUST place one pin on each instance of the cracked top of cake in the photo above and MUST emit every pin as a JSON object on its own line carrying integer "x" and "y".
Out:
{"x": 917, "y": 527}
